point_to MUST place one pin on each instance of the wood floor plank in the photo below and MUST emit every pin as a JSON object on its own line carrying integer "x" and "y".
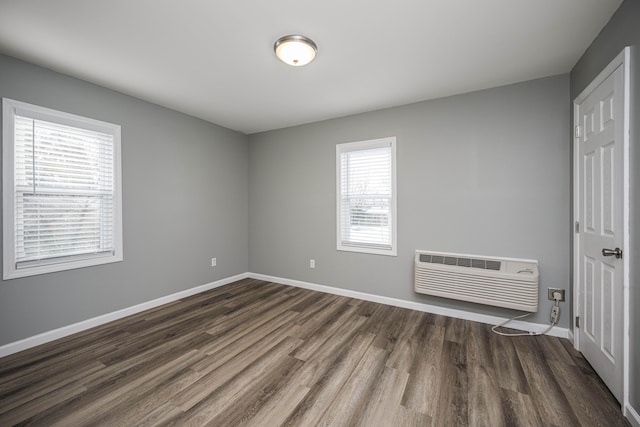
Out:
{"x": 47, "y": 357}
{"x": 105, "y": 402}
{"x": 394, "y": 326}
{"x": 83, "y": 408}
{"x": 383, "y": 407}
{"x": 504, "y": 357}
{"x": 244, "y": 316}
{"x": 278, "y": 408}
{"x": 423, "y": 388}
{"x": 546, "y": 394}
{"x": 484, "y": 392}
{"x": 367, "y": 308}
{"x": 26, "y": 411}
{"x": 140, "y": 364}
{"x": 261, "y": 391}
{"x": 519, "y": 410}
{"x": 263, "y": 354}
{"x": 324, "y": 332}
{"x": 589, "y": 411}
{"x": 205, "y": 410}
{"x": 277, "y": 329}
{"x": 160, "y": 416}
{"x": 45, "y": 384}
{"x": 553, "y": 349}
{"x": 251, "y": 297}
{"x": 456, "y": 330}
{"x": 315, "y": 305}
{"x": 318, "y": 315}
{"x": 180, "y": 330}
{"x": 453, "y": 405}
{"x": 231, "y": 330}
{"x": 405, "y": 350}
{"x": 152, "y": 397}
{"x": 160, "y": 317}
{"x": 349, "y": 403}
{"x": 313, "y": 299}
{"x": 216, "y": 377}
{"x": 409, "y": 418}
{"x": 330, "y": 354}
{"x": 315, "y": 403}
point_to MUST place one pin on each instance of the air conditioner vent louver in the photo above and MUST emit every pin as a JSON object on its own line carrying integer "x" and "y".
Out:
{"x": 461, "y": 262}
{"x": 501, "y": 282}
{"x": 464, "y": 262}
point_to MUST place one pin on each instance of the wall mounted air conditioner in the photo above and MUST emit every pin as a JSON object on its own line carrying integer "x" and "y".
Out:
{"x": 501, "y": 282}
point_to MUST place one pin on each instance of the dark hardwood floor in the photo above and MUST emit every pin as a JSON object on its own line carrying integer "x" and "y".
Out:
{"x": 263, "y": 354}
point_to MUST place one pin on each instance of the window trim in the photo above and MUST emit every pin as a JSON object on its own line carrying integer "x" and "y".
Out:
{"x": 366, "y": 145}
{"x": 11, "y": 108}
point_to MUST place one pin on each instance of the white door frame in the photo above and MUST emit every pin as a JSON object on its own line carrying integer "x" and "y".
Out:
{"x": 622, "y": 59}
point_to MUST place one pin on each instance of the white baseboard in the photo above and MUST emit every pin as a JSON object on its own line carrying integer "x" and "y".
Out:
{"x": 428, "y": 308}
{"x": 632, "y": 415}
{"x": 64, "y": 331}
{"x": 571, "y": 337}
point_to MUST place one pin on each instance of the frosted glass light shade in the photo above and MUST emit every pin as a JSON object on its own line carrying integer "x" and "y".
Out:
{"x": 295, "y": 50}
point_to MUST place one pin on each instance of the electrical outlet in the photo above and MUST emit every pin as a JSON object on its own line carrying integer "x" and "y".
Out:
{"x": 551, "y": 291}
{"x": 214, "y": 262}
{"x": 312, "y": 263}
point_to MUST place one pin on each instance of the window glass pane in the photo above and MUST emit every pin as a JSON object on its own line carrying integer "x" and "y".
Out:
{"x": 366, "y": 200}
{"x": 64, "y": 190}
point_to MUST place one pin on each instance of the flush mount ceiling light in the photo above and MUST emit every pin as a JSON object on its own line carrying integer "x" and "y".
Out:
{"x": 295, "y": 50}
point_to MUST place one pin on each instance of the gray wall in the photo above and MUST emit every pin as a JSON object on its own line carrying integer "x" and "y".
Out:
{"x": 185, "y": 200}
{"x": 482, "y": 173}
{"x": 622, "y": 30}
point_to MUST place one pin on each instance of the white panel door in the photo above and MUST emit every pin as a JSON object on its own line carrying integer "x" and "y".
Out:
{"x": 601, "y": 207}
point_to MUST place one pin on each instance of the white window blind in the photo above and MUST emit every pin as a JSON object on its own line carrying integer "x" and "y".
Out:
{"x": 366, "y": 196}
{"x": 65, "y": 197}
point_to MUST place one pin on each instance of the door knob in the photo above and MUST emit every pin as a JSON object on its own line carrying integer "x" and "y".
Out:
{"x": 611, "y": 252}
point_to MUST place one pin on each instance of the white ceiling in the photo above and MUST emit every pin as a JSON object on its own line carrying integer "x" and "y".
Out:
{"x": 214, "y": 59}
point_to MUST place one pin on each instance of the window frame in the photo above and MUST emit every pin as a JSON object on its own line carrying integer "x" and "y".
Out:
{"x": 389, "y": 142}
{"x": 10, "y": 109}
